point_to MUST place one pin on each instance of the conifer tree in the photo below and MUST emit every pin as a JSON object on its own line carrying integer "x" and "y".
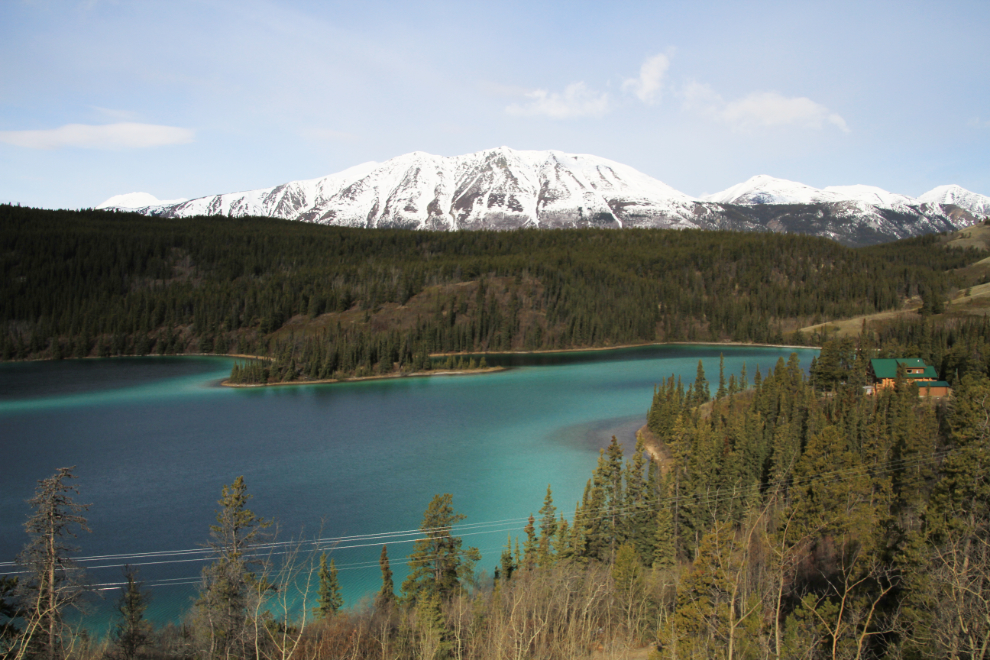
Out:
{"x": 562, "y": 543}
{"x": 507, "y": 565}
{"x": 132, "y": 632}
{"x": 577, "y": 541}
{"x": 613, "y": 499}
{"x": 531, "y": 545}
{"x": 437, "y": 563}
{"x": 223, "y": 599}
{"x": 664, "y": 550}
{"x": 548, "y": 529}
{"x": 51, "y": 582}
{"x": 386, "y": 595}
{"x": 826, "y": 506}
{"x": 721, "y": 377}
{"x": 962, "y": 496}
{"x": 329, "y": 599}
{"x": 637, "y": 507}
{"x": 700, "y": 389}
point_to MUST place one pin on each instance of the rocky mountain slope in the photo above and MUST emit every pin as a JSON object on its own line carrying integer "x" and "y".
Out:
{"x": 507, "y": 189}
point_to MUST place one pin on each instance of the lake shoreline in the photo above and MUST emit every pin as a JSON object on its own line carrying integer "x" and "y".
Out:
{"x": 330, "y": 381}
{"x": 417, "y": 374}
{"x": 550, "y": 351}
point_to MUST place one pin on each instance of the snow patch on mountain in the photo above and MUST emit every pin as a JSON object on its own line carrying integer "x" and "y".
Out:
{"x": 958, "y": 196}
{"x": 870, "y": 195}
{"x": 764, "y": 189}
{"x": 136, "y": 200}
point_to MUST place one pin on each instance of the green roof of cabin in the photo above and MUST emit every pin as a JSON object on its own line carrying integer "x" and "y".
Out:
{"x": 887, "y": 367}
{"x": 937, "y": 383}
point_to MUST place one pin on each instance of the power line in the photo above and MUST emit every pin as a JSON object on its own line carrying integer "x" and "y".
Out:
{"x": 284, "y": 548}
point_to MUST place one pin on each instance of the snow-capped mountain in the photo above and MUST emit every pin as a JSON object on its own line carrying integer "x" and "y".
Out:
{"x": 856, "y": 214}
{"x": 763, "y": 189}
{"x": 507, "y": 189}
{"x": 958, "y": 196}
{"x": 497, "y": 188}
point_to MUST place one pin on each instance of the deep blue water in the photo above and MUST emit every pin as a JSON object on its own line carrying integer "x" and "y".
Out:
{"x": 154, "y": 439}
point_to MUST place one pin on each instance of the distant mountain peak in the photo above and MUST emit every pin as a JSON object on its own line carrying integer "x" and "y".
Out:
{"x": 957, "y": 196}
{"x": 498, "y": 188}
{"x": 765, "y": 189}
{"x": 505, "y": 188}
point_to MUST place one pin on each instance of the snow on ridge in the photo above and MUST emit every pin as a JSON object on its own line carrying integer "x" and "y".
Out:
{"x": 958, "y": 196}
{"x": 135, "y": 200}
{"x": 871, "y": 195}
{"x": 502, "y": 188}
{"x": 765, "y": 189}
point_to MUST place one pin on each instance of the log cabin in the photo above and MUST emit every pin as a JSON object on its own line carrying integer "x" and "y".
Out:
{"x": 884, "y": 373}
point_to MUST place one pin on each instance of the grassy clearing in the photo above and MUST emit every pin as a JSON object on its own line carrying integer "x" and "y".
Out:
{"x": 977, "y": 236}
{"x": 971, "y": 301}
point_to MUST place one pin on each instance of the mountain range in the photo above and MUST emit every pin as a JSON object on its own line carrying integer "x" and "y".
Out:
{"x": 508, "y": 189}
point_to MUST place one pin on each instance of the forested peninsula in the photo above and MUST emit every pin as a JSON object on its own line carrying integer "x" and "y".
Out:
{"x": 328, "y": 302}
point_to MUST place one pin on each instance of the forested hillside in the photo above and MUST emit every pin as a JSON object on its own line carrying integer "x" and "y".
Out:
{"x": 331, "y": 302}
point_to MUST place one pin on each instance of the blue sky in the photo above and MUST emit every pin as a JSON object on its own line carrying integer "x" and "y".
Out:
{"x": 190, "y": 98}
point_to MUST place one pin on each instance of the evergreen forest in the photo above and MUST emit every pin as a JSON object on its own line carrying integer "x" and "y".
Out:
{"x": 324, "y": 303}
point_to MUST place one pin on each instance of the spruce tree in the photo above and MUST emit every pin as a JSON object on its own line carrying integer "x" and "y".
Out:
{"x": 329, "y": 599}
{"x": 227, "y": 582}
{"x": 700, "y": 390}
{"x": 665, "y": 545}
{"x": 507, "y": 565}
{"x": 721, "y": 377}
{"x": 51, "y": 582}
{"x": 531, "y": 545}
{"x": 386, "y": 595}
{"x": 132, "y": 632}
{"x": 613, "y": 511}
{"x": 437, "y": 565}
{"x": 562, "y": 544}
{"x": 548, "y": 529}
{"x": 593, "y": 530}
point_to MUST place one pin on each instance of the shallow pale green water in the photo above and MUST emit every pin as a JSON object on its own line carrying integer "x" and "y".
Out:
{"x": 153, "y": 440}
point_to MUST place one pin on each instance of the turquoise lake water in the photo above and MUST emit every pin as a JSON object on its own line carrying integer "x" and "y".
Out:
{"x": 153, "y": 440}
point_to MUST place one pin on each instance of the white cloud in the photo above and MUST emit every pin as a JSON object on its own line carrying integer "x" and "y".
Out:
{"x": 575, "y": 101}
{"x": 772, "y": 109}
{"x": 650, "y": 82}
{"x": 109, "y": 136}
{"x": 759, "y": 109}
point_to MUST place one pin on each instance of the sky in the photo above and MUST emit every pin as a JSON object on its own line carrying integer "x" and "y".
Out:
{"x": 188, "y": 98}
